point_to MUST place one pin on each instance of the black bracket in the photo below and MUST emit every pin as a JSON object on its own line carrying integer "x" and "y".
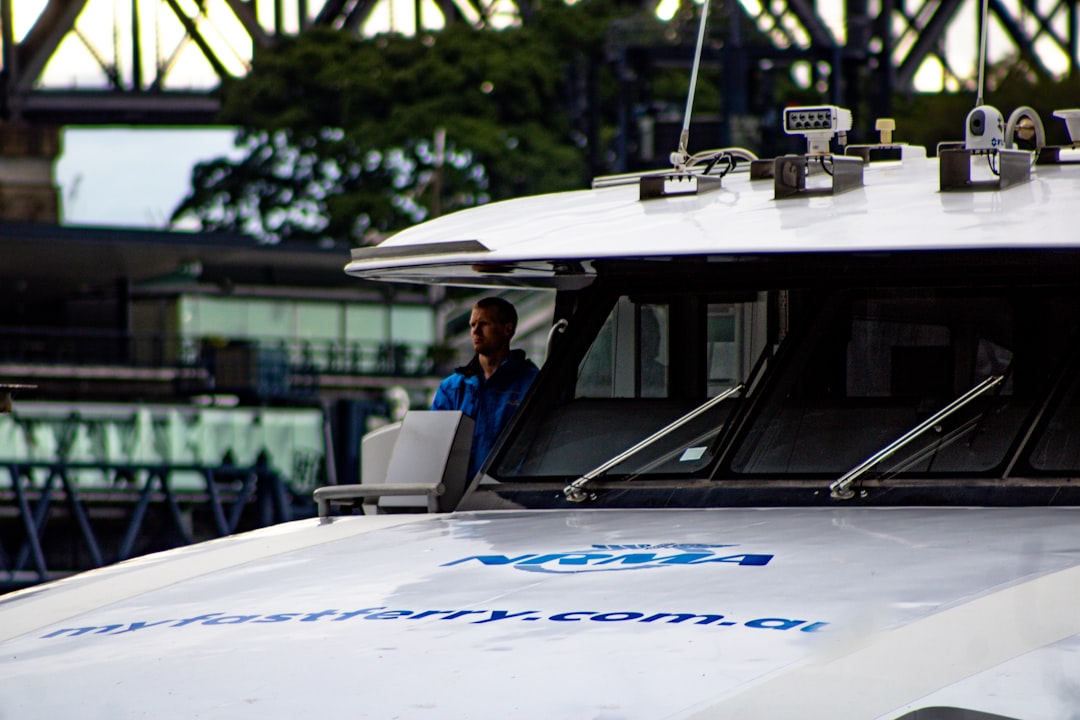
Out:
{"x": 791, "y": 171}
{"x": 673, "y": 184}
{"x": 954, "y": 169}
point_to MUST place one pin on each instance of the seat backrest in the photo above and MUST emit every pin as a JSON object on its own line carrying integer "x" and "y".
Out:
{"x": 375, "y": 450}
{"x": 432, "y": 446}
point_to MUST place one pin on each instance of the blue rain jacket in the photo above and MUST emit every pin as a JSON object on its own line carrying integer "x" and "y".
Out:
{"x": 490, "y": 402}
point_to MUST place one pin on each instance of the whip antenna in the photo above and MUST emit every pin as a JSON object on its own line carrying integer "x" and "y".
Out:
{"x": 984, "y": 18}
{"x": 679, "y": 157}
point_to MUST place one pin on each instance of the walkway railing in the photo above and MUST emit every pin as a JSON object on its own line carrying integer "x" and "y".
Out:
{"x": 265, "y": 367}
{"x": 64, "y": 525}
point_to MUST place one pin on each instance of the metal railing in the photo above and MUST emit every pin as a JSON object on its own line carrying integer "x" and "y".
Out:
{"x": 266, "y": 366}
{"x": 62, "y": 527}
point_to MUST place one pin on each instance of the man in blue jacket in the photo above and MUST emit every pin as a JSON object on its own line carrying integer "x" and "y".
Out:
{"x": 491, "y": 386}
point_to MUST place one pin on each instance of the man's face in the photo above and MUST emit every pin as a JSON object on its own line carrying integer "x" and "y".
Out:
{"x": 489, "y": 336}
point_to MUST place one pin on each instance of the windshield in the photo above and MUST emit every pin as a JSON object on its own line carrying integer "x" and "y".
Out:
{"x": 875, "y": 365}
{"x": 848, "y": 372}
{"x": 650, "y": 361}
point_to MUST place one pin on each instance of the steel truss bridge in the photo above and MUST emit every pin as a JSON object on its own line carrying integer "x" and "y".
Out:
{"x": 144, "y": 62}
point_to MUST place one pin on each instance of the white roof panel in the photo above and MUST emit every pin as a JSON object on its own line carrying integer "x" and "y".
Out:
{"x": 899, "y": 208}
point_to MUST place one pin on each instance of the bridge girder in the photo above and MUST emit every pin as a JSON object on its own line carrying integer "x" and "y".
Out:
{"x": 134, "y": 55}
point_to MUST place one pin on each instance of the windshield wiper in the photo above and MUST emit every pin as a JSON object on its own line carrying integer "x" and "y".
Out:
{"x": 575, "y": 491}
{"x": 842, "y": 488}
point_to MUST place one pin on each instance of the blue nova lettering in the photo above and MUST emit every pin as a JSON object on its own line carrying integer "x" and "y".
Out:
{"x": 491, "y": 559}
{"x": 595, "y": 562}
{"x": 737, "y": 559}
{"x": 566, "y": 558}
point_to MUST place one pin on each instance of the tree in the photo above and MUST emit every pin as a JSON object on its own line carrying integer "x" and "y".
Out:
{"x": 338, "y": 134}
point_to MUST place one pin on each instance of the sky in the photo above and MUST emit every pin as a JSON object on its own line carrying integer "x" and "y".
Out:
{"x": 132, "y": 176}
{"x": 129, "y": 176}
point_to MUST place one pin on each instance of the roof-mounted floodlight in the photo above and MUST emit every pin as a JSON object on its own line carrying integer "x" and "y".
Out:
{"x": 818, "y": 124}
{"x": 1052, "y": 154}
{"x": 790, "y": 173}
{"x": 1072, "y": 123}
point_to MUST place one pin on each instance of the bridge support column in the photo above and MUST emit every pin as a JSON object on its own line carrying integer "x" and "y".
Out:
{"x": 28, "y": 191}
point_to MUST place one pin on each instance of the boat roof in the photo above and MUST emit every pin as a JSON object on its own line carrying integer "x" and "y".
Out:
{"x": 551, "y": 240}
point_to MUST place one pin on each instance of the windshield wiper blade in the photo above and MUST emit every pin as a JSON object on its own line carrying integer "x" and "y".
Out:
{"x": 842, "y": 488}
{"x": 575, "y": 491}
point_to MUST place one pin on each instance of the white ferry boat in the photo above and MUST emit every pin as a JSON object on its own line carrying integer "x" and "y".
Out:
{"x": 805, "y": 445}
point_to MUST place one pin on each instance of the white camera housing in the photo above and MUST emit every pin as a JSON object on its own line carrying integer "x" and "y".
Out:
{"x": 984, "y": 129}
{"x": 818, "y": 124}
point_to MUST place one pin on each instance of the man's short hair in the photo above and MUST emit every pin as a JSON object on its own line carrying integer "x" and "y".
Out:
{"x": 503, "y": 309}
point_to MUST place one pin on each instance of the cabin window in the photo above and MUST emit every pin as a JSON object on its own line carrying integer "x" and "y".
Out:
{"x": 734, "y": 336}
{"x": 872, "y": 368}
{"x": 1057, "y": 445}
{"x": 855, "y": 371}
{"x": 629, "y": 357}
{"x": 653, "y": 360}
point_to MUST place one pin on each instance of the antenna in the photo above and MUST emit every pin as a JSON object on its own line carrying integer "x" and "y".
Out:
{"x": 984, "y": 17}
{"x": 985, "y": 127}
{"x": 984, "y": 134}
{"x": 680, "y": 156}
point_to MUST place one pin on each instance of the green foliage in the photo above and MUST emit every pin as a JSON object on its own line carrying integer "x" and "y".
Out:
{"x": 336, "y": 132}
